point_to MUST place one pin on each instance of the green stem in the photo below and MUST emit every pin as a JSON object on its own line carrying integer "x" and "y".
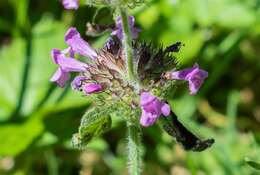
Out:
{"x": 134, "y": 150}
{"x": 127, "y": 43}
{"x": 134, "y": 143}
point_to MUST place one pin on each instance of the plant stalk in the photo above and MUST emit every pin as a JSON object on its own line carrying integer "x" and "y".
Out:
{"x": 127, "y": 43}
{"x": 134, "y": 143}
{"x": 134, "y": 150}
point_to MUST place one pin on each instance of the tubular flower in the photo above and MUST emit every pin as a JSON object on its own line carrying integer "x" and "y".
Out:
{"x": 66, "y": 65}
{"x": 119, "y": 31}
{"x": 195, "y": 76}
{"x": 78, "y": 45}
{"x": 70, "y": 4}
{"x": 152, "y": 108}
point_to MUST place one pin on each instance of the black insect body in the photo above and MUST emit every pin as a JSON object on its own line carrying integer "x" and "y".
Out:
{"x": 183, "y": 136}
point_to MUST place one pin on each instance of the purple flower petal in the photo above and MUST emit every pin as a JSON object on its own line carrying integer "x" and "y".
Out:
{"x": 91, "y": 87}
{"x": 131, "y": 20}
{"x": 70, "y": 4}
{"x": 181, "y": 75}
{"x": 54, "y": 54}
{"x": 110, "y": 42}
{"x": 68, "y": 50}
{"x": 118, "y": 33}
{"x": 203, "y": 74}
{"x": 79, "y": 45}
{"x": 135, "y": 32}
{"x": 147, "y": 98}
{"x": 165, "y": 109}
{"x": 146, "y": 119}
{"x": 77, "y": 82}
{"x": 195, "y": 76}
{"x": 60, "y": 77}
{"x": 68, "y": 64}
{"x": 194, "y": 85}
{"x": 152, "y": 108}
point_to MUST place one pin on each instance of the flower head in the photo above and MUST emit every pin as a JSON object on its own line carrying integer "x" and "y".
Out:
{"x": 70, "y": 4}
{"x": 106, "y": 68}
{"x": 152, "y": 108}
{"x": 195, "y": 76}
{"x": 119, "y": 31}
{"x": 107, "y": 72}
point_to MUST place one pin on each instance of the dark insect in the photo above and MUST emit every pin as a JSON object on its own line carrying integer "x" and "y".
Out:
{"x": 183, "y": 136}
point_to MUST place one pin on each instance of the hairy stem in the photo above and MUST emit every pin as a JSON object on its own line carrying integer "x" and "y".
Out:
{"x": 134, "y": 150}
{"x": 127, "y": 42}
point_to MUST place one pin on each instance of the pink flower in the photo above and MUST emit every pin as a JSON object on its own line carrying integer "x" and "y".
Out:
{"x": 70, "y": 4}
{"x": 78, "y": 45}
{"x": 66, "y": 65}
{"x": 195, "y": 76}
{"x": 70, "y": 64}
{"x": 152, "y": 108}
{"x": 119, "y": 31}
{"x": 91, "y": 87}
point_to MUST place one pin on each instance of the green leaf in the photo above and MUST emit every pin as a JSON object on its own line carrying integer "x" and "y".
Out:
{"x": 252, "y": 163}
{"x": 95, "y": 122}
{"x": 15, "y": 138}
{"x": 10, "y": 76}
{"x": 47, "y": 35}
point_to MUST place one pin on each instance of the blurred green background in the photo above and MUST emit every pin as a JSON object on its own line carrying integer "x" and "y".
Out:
{"x": 37, "y": 118}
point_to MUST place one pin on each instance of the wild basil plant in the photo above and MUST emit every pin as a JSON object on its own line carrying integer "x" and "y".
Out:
{"x": 126, "y": 78}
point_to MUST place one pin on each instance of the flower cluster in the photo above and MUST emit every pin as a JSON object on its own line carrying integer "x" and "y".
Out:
{"x": 106, "y": 71}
